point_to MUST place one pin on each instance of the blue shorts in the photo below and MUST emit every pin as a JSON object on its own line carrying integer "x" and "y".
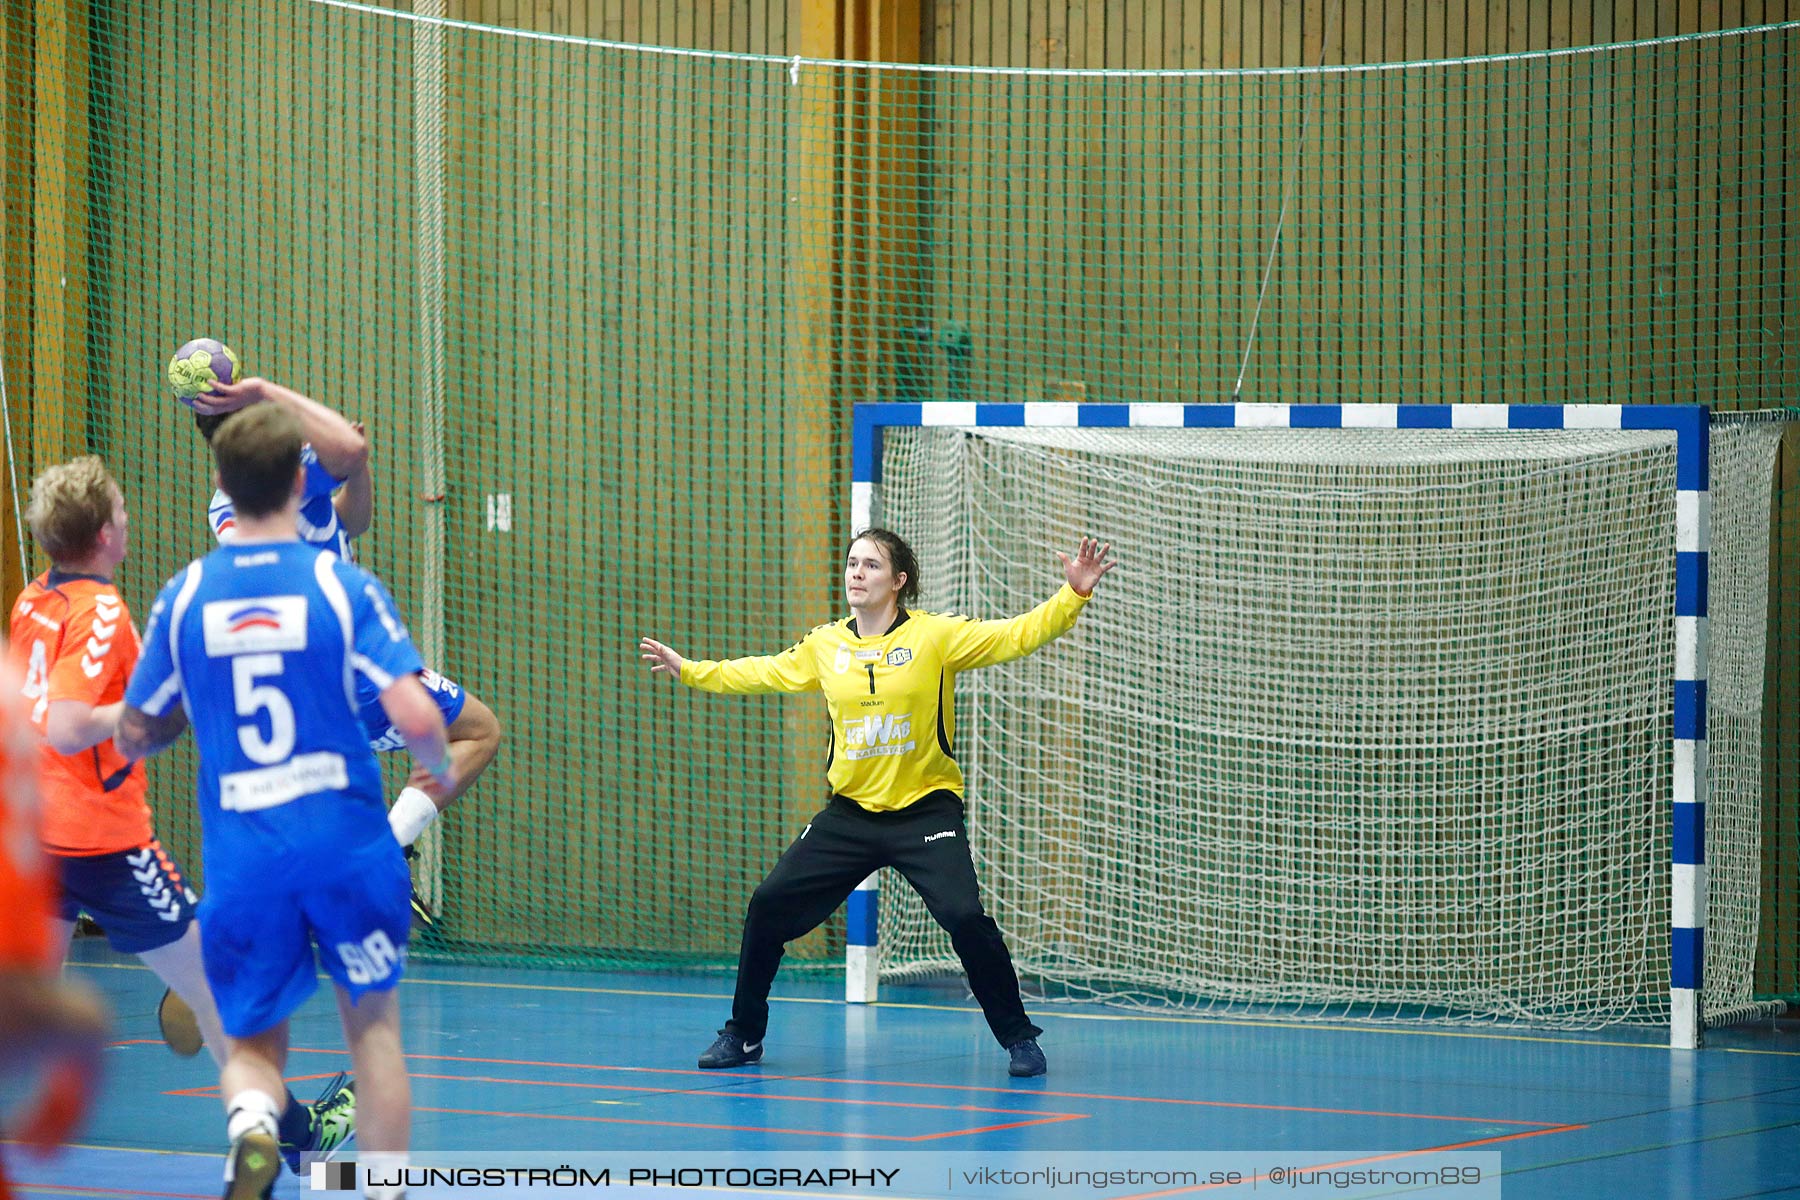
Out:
{"x": 139, "y": 897}
{"x": 382, "y": 735}
{"x": 260, "y": 943}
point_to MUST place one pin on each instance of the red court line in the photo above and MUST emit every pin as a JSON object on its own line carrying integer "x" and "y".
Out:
{"x": 1295, "y": 1108}
{"x": 83, "y": 1189}
{"x": 1037, "y": 1118}
{"x": 737, "y": 1094}
{"x": 212, "y": 1090}
{"x": 967, "y": 1087}
{"x": 1534, "y": 1126}
{"x": 833, "y": 1133}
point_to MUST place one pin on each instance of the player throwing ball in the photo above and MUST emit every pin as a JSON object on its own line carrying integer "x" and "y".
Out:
{"x": 337, "y": 505}
{"x": 888, "y": 675}
{"x": 262, "y": 644}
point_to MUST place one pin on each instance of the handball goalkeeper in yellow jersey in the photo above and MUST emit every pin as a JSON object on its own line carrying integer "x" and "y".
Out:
{"x": 888, "y": 675}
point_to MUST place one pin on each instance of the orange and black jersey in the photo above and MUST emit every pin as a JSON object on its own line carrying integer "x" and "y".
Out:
{"x": 72, "y": 639}
{"x": 891, "y": 698}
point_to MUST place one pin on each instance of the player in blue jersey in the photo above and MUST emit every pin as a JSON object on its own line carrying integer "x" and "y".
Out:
{"x": 339, "y": 501}
{"x": 261, "y": 645}
{"x": 338, "y": 505}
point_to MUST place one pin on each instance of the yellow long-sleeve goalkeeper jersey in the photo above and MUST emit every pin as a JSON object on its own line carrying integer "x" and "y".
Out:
{"x": 891, "y": 698}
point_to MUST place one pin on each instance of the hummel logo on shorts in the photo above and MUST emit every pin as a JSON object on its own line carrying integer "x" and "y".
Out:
{"x": 932, "y": 837}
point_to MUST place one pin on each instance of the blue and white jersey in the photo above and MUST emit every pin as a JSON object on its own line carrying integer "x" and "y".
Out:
{"x": 319, "y": 524}
{"x": 264, "y": 645}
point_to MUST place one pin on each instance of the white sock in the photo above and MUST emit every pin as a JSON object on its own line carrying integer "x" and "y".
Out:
{"x": 252, "y": 1109}
{"x": 412, "y": 814}
{"x": 381, "y": 1164}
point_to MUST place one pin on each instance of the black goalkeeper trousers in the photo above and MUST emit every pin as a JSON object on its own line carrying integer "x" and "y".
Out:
{"x": 927, "y": 843}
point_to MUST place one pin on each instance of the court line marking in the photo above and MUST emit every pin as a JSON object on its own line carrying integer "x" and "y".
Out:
{"x": 88, "y": 1189}
{"x": 962, "y": 1087}
{"x": 1537, "y": 1126}
{"x": 218, "y": 1154}
{"x": 830, "y": 1133}
{"x": 740, "y": 1094}
{"x": 1295, "y": 1026}
{"x": 1037, "y": 1116}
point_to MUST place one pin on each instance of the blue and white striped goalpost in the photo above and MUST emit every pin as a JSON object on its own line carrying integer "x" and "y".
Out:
{"x": 1688, "y": 423}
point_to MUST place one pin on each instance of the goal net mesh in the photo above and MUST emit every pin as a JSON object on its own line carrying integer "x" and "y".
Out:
{"x": 1369, "y": 723}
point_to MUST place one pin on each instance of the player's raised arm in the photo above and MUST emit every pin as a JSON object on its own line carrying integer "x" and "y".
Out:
{"x": 987, "y": 643}
{"x": 662, "y": 659}
{"x": 790, "y": 671}
{"x": 340, "y": 445}
{"x": 1089, "y": 565}
{"x": 355, "y": 501}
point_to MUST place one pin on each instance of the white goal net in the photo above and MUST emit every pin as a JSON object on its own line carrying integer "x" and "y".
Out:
{"x": 1369, "y": 723}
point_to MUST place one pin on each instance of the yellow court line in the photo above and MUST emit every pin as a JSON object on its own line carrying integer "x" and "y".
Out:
{"x": 1163, "y": 1018}
{"x": 220, "y": 1153}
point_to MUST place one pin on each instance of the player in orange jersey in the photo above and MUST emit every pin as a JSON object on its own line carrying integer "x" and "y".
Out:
{"x": 73, "y": 640}
{"x": 46, "y": 1024}
{"x": 74, "y": 643}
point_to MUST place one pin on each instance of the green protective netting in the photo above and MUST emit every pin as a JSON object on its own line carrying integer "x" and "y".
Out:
{"x": 603, "y": 309}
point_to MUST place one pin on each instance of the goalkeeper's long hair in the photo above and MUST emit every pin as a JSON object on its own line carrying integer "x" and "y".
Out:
{"x": 900, "y": 557}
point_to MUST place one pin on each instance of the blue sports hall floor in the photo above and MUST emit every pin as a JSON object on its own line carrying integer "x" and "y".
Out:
{"x": 552, "y": 1066}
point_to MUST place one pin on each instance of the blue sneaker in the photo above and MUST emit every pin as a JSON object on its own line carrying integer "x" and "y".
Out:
{"x": 331, "y": 1120}
{"x": 1027, "y": 1059}
{"x": 731, "y": 1051}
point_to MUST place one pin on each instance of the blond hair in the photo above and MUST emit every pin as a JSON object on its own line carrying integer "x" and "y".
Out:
{"x": 70, "y": 504}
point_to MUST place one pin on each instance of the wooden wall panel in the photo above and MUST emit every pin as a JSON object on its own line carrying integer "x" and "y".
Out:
{"x": 1044, "y": 236}
{"x": 1468, "y": 305}
{"x": 737, "y": 26}
{"x": 638, "y": 266}
{"x": 60, "y": 293}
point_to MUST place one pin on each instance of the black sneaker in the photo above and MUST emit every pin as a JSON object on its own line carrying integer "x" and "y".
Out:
{"x": 252, "y": 1166}
{"x": 1027, "y": 1059}
{"x": 423, "y": 917}
{"x": 731, "y": 1051}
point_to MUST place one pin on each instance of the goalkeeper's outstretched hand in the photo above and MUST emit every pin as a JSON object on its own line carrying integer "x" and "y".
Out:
{"x": 1089, "y": 564}
{"x": 662, "y": 660}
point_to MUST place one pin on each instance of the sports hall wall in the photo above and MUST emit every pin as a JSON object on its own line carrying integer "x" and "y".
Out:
{"x": 604, "y": 311}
